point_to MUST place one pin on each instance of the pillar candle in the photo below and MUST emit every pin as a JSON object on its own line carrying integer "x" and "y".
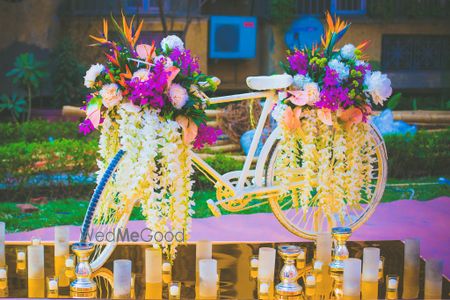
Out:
{"x": 323, "y": 247}
{"x": 266, "y": 264}
{"x": 122, "y": 278}
{"x": 153, "y": 265}
{"x": 411, "y": 269}
{"x": 36, "y": 262}
{"x": 208, "y": 278}
{"x": 2, "y": 244}
{"x": 352, "y": 277}
{"x": 62, "y": 234}
{"x": 61, "y": 251}
{"x": 203, "y": 250}
{"x": 433, "y": 279}
{"x": 371, "y": 263}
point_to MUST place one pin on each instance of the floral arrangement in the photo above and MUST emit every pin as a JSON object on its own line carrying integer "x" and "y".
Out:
{"x": 324, "y": 122}
{"x": 150, "y": 102}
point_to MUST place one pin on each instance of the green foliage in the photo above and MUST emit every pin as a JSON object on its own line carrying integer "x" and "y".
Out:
{"x": 282, "y": 12}
{"x": 39, "y": 130}
{"x": 21, "y": 160}
{"x": 16, "y": 105}
{"x": 222, "y": 163}
{"x": 424, "y": 154}
{"x": 27, "y": 71}
{"x": 394, "y": 101}
{"x": 28, "y": 74}
{"x": 67, "y": 75}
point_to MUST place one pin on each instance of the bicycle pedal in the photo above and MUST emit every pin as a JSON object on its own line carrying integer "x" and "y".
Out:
{"x": 213, "y": 208}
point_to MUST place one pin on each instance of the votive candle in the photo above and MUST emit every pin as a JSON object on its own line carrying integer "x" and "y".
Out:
{"x": 254, "y": 262}
{"x": 36, "y": 262}
{"x": 352, "y": 277}
{"x": 392, "y": 287}
{"x": 433, "y": 279}
{"x": 3, "y": 277}
{"x": 208, "y": 278}
{"x": 301, "y": 258}
{"x": 153, "y": 265}
{"x": 371, "y": 263}
{"x": 266, "y": 264}
{"x": 122, "y": 278}
{"x": 411, "y": 269}
{"x": 323, "y": 247}
{"x": 52, "y": 287}
{"x": 174, "y": 290}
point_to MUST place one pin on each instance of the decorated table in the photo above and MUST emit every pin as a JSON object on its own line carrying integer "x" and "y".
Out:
{"x": 236, "y": 278}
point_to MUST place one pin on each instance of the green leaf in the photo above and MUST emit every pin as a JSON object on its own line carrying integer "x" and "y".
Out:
{"x": 394, "y": 101}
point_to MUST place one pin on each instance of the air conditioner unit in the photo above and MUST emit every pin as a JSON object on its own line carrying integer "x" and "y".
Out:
{"x": 232, "y": 37}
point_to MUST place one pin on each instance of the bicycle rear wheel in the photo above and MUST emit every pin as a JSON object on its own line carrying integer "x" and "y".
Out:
{"x": 308, "y": 221}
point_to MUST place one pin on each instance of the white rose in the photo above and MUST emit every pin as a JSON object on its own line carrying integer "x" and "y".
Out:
{"x": 348, "y": 51}
{"x": 378, "y": 86}
{"x": 111, "y": 95}
{"x": 92, "y": 74}
{"x": 301, "y": 80}
{"x": 172, "y": 42}
{"x": 142, "y": 74}
{"x": 341, "y": 69}
{"x": 165, "y": 60}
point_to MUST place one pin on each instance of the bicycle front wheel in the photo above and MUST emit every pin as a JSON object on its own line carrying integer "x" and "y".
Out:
{"x": 307, "y": 219}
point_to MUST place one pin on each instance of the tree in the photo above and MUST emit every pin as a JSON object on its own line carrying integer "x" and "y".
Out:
{"x": 67, "y": 75}
{"x": 28, "y": 74}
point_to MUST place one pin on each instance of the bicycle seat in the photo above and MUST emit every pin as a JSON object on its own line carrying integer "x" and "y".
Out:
{"x": 273, "y": 82}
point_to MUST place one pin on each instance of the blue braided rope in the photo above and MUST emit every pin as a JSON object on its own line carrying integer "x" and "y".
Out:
{"x": 97, "y": 193}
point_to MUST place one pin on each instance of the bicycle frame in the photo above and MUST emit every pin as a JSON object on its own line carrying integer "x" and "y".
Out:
{"x": 271, "y": 99}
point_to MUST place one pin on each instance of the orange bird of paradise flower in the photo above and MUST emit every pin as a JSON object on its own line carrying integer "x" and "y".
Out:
{"x": 335, "y": 31}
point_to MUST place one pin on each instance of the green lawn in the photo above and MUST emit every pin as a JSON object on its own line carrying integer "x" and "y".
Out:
{"x": 71, "y": 211}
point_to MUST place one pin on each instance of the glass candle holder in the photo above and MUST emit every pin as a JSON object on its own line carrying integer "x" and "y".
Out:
{"x": 153, "y": 265}
{"x": 392, "y": 282}
{"x": 21, "y": 259}
{"x": 411, "y": 269}
{"x": 265, "y": 288}
{"x": 208, "y": 277}
{"x": 166, "y": 271}
{"x": 310, "y": 284}
{"x": 174, "y": 290}
{"x": 381, "y": 269}
{"x": 301, "y": 259}
{"x": 317, "y": 269}
{"x": 69, "y": 264}
{"x": 52, "y": 287}
{"x": 3, "y": 277}
{"x": 254, "y": 262}
{"x": 35, "y": 241}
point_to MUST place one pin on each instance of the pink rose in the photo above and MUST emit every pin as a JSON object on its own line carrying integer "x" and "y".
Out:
{"x": 111, "y": 95}
{"x": 178, "y": 95}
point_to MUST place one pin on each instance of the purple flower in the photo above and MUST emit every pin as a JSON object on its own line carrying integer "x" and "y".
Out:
{"x": 206, "y": 135}
{"x": 86, "y": 127}
{"x": 333, "y": 97}
{"x": 150, "y": 91}
{"x": 331, "y": 77}
{"x": 185, "y": 61}
{"x": 298, "y": 62}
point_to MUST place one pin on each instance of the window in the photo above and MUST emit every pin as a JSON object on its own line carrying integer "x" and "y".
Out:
{"x": 142, "y": 6}
{"x": 339, "y": 7}
{"x": 415, "y": 52}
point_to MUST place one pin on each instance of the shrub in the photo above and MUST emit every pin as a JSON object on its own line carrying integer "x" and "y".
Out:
{"x": 425, "y": 154}
{"x": 39, "y": 130}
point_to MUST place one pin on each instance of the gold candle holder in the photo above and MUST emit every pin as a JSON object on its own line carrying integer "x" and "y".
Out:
{"x": 340, "y": 235}
{"x": 83, "y": 286}
{"x": 310, "y": 285}
{"x": 288, "y": 287}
